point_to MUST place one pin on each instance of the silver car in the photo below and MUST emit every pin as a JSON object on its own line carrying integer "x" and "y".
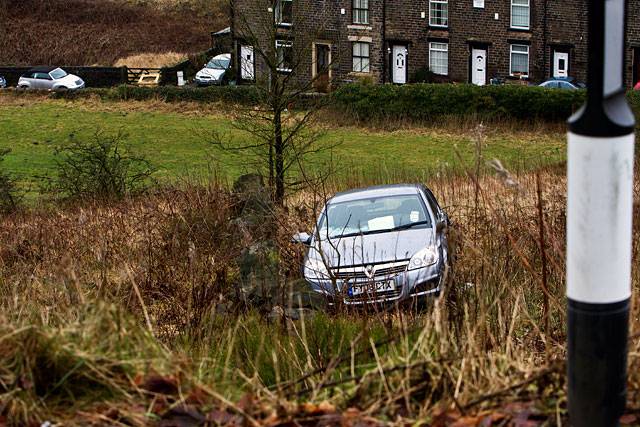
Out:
{"x": 377, "y": 245}
{"x": 49, "y": 78}
{"x": 213, "y": 73}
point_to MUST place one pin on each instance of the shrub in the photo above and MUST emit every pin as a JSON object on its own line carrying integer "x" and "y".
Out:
{"x": 102, "y": 168}
{"x": 9, "y": 198}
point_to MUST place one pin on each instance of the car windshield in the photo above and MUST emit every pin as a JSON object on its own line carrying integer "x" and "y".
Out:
{"x": 374, "y": 215}
{"x": 58, "y": 73}
{"x": 218, "y": 64}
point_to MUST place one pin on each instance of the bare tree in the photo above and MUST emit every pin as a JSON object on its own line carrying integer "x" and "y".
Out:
{"x": 285, "y": 70}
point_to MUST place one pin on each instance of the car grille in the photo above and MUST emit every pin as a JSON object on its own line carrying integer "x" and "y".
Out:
{"x": 380, "y": 271}
{"x": 375, "y": 297}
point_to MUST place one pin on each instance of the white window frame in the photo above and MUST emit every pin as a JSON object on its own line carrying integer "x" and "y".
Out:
{"x": 283, "y": 44}
{"x": 511, "y": 52}
{"x": 433, "y": 49}
{"x": 431, "y": 9}
{"x": 528, "y": 6}
{"x": 353, "y": 12}
{"x": 353, "y": 58}
{"x": 478, "y": 4}
{"x": 278, "y": 13}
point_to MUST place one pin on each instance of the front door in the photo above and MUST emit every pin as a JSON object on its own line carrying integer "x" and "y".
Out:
{"x": 479, "y": 66}
{"x": 560, "y": 64}
{"x": 246, "y": 63}
{"x": 322, "y": 59}
{"x": 399, "y": 58}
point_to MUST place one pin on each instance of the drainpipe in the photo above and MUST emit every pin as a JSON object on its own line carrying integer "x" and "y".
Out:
{"x": 545, "y": 41}
{"x": 385, "y": 57}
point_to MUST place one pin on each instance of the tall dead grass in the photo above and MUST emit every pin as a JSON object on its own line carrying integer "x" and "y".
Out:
{"x": 104, "y": 295}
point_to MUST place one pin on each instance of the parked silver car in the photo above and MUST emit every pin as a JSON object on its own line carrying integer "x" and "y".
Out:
{"x": 379, "y": 244}
{"x": 3, "y": 82}
{"x": 49, "y": 78}
{"x": 213, "y": 73}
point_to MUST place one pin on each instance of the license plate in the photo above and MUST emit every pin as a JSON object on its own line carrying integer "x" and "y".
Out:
{"x": 372, "y": 288}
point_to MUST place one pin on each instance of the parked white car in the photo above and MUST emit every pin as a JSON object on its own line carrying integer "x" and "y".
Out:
{"x": 49, "y": 78}
{"x": 213, "y": 73}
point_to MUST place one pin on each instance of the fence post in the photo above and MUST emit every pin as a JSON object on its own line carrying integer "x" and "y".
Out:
{"x": 599, "y": 212}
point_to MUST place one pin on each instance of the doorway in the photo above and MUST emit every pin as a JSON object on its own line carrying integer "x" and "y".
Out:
{"x": 560, "y": 65}
{"x": 399, "y": 60}
{"x": 321, "y": 66}
{"x": 479, "y": 66}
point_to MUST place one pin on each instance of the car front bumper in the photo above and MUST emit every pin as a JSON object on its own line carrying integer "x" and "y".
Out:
{"x": 207, "y": 82}
{"x": 409, "y": 285}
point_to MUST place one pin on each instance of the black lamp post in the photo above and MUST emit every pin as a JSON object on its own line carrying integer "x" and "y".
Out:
{"x": 599, "y": 212}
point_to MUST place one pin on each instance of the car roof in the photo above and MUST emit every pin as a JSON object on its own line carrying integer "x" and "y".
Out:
{"x": 41, "y": 69}
{"x": 375, "y": 191}
{"x": 222, "y": 56}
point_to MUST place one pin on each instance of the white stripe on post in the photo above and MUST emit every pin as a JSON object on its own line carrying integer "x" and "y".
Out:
{"x": 599, "y": 206}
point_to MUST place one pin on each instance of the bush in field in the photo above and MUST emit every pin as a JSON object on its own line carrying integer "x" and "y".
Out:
{"x": 9, "y": 198}
{"x": 102, "y": 167}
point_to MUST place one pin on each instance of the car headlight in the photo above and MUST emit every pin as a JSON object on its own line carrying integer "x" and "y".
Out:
{"x": 315, "y": 269}
{"x": 423, "y": 258}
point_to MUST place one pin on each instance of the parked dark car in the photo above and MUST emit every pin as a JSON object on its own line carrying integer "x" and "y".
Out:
{"x": 568, "y": 84}
{"x": 377, "y": 245}
{"x": 3, "y": 82}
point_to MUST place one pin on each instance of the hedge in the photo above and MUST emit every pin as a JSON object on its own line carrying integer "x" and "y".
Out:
{"x": 366, "y": 102}
{"x": 246, "y": 95}
{"x": 427, "y": 101}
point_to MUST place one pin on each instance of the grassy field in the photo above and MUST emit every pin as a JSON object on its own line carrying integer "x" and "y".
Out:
{"x": 178, "y": 143}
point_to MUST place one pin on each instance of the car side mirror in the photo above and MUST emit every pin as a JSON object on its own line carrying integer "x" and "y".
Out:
{"x": 441, "y": 225}
{"x": 304, "y": 238}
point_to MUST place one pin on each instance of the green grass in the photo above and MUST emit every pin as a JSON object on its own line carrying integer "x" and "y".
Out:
{"x": 177, "y": 144}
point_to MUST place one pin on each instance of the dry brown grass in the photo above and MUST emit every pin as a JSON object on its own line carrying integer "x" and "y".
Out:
{"x": 97, "y": 32}
{"x": 151, "y": 60}
{"x": 165, "y": 263}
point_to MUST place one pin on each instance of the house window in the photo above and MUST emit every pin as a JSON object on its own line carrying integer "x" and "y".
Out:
{"x": 439, "y": 13}
{"x": 519, "y": 60}
{"x": 439, "y": 58}
{"x": 360, "y": 11}
{"x": 284, "y": 12}
{"x": 520, "y": 14}
{"x": 478, "y": 4}
{"x": 361, "y": 57}
{"x": 284, "y": 50}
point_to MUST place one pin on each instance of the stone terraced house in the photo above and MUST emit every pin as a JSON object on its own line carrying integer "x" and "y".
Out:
{"x": 394, "y": 41}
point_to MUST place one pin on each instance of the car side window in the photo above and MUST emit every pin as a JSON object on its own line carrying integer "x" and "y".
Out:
{"x": 565, "y": 85}
{"x": 42, "y": 76}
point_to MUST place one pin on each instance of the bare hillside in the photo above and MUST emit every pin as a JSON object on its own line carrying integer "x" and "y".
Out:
{"x": 89, "y": 32}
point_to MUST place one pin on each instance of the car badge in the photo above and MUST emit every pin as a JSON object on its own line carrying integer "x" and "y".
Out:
{"x": 368, "y": 271}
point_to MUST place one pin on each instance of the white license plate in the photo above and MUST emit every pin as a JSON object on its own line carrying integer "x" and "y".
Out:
{"x": 372, "y": 288}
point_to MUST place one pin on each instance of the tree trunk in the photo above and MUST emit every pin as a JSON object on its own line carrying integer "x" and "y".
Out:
{"x": 278, "y": 148}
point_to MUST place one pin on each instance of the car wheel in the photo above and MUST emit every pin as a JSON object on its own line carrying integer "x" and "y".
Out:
{"x": 22, "y": 88}
{"x": 61, "y": 89}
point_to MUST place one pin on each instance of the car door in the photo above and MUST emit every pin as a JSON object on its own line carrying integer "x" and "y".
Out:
{"x": 43, "y": 81}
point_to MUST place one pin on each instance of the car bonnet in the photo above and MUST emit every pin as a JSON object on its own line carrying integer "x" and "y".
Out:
{"x": 374, "y": 248}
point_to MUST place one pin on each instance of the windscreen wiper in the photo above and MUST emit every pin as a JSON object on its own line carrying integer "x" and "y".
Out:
{"x": 410, "y": 225}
